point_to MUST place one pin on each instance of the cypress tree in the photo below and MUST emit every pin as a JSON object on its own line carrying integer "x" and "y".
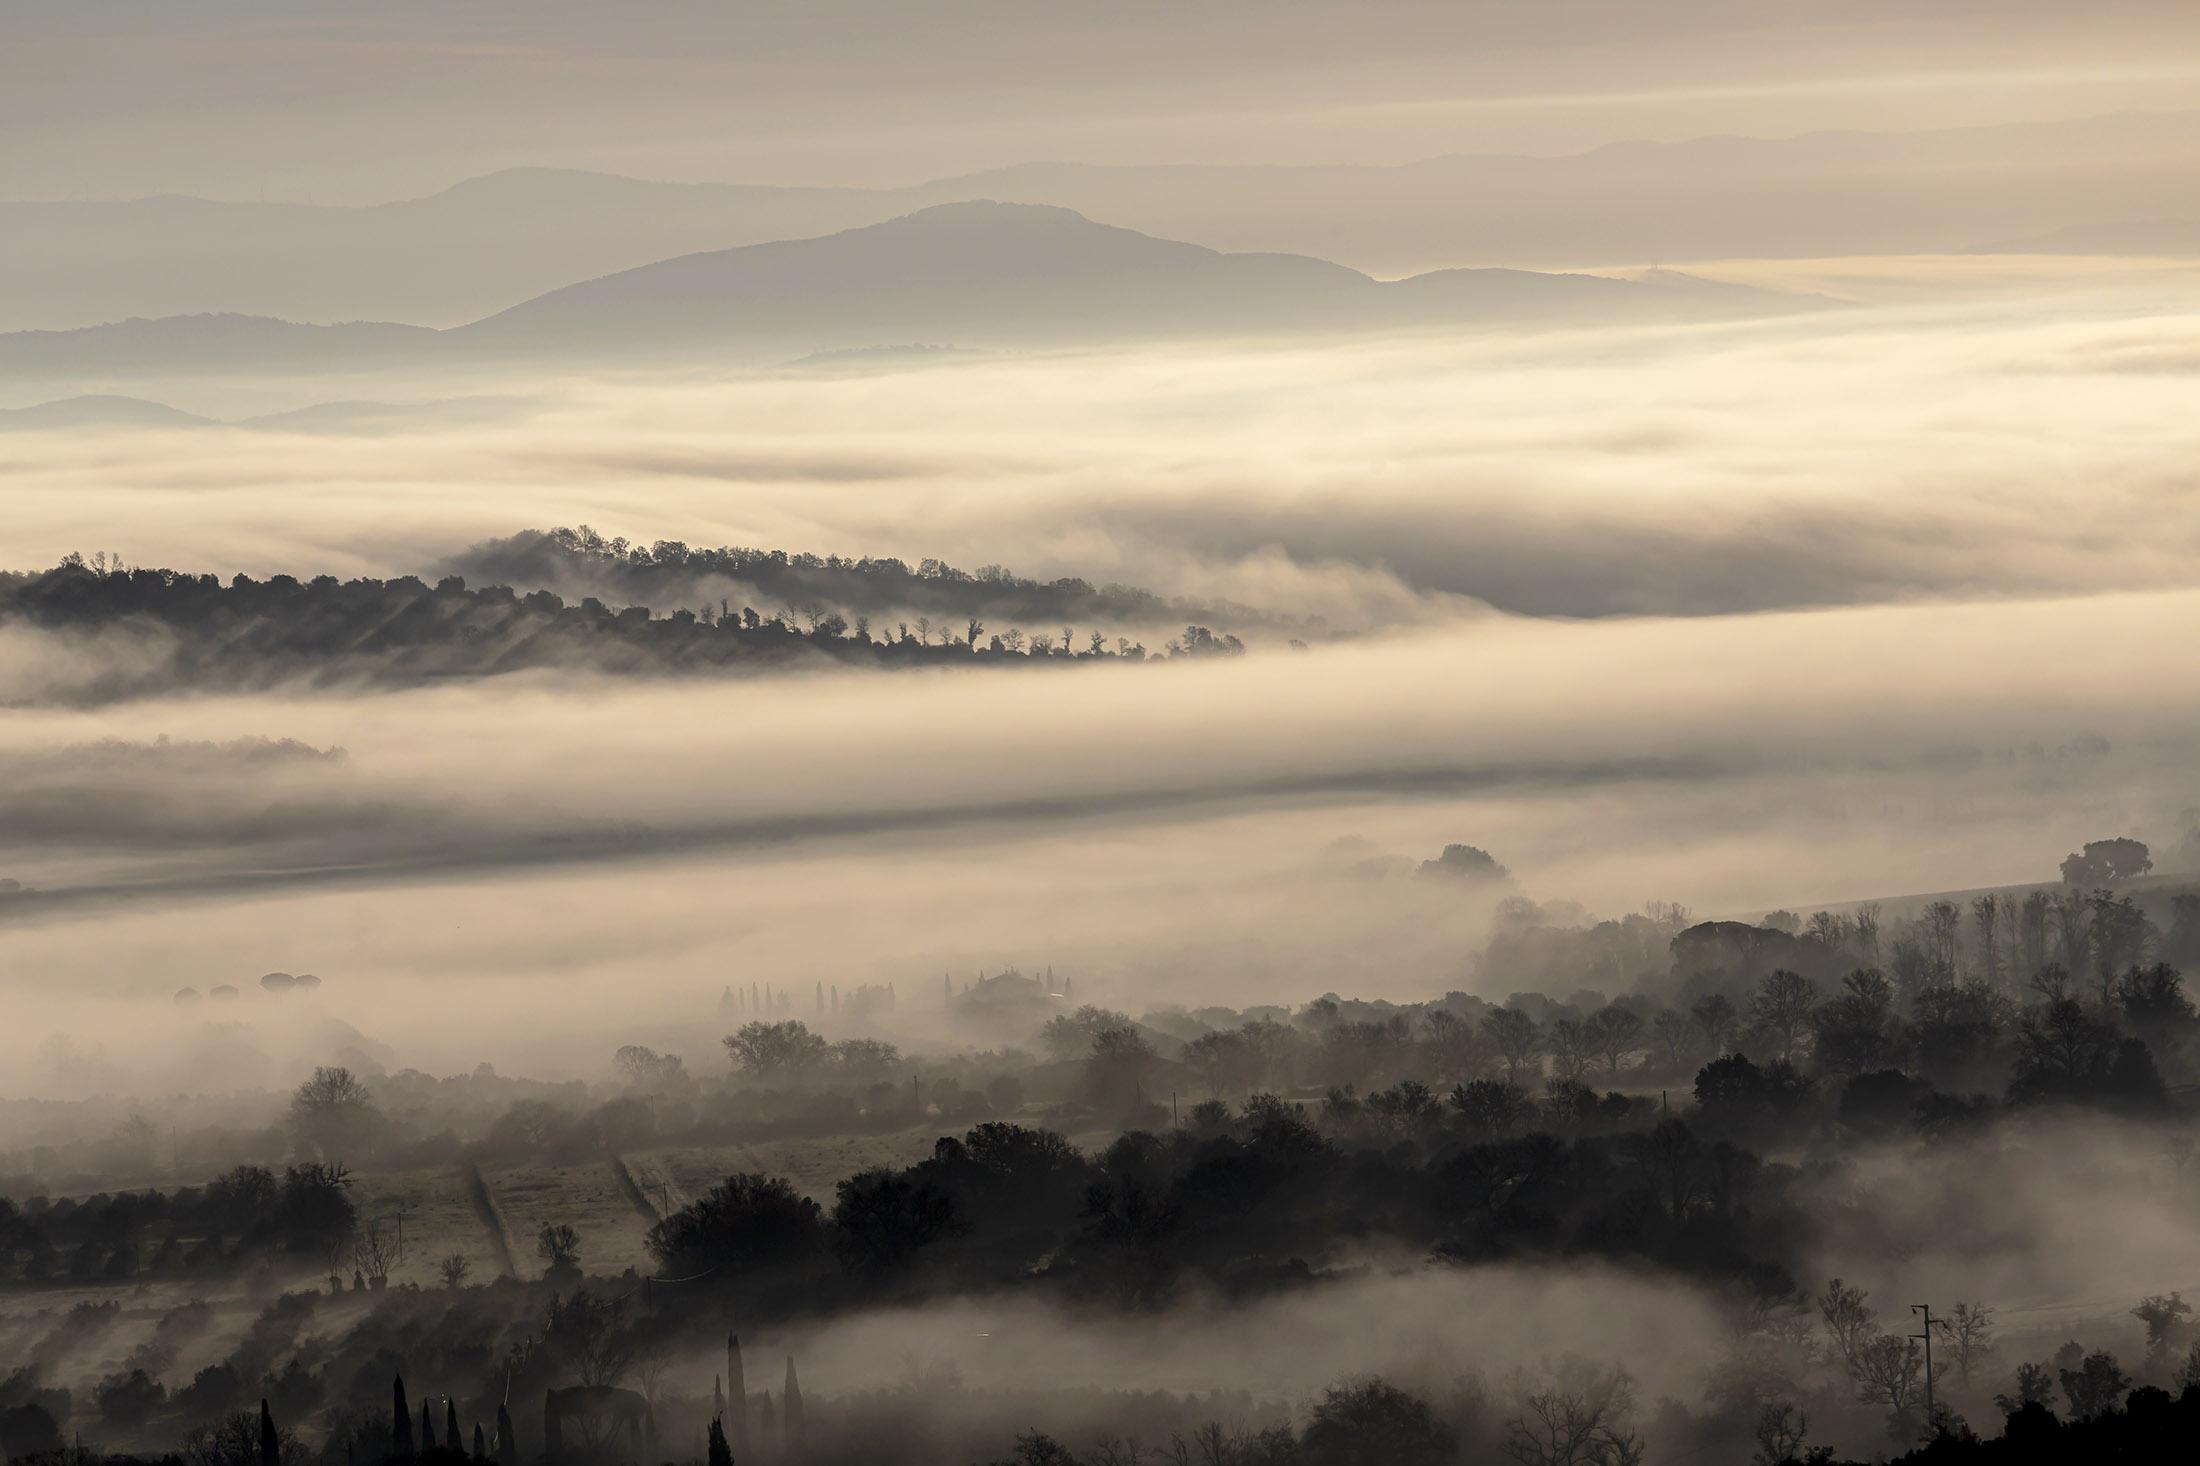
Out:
{"x": 791, "y": 1418}
{"x": 721, "y": 1454}
{"x": 451, "y": 1436}
{"x": 737, "y": 1397}
{"x": 507, "y": 1443}
{"x": 401, "y": 1425}
{"x": 427, "y": 1429}
{"x": 271, "y": 1446}
{"x": 481, "y": 1443}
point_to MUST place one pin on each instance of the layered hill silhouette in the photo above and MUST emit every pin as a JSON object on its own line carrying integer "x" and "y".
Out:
{"x": 183, "y": 344}
{"x": 973, "y": 274}
{"x": 1023, "y": 273}
{"x": 99, "y": 410}
{"x": 489, "y": 242}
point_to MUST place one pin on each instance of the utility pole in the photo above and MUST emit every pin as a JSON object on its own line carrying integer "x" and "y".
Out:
{"x": 1927, "y": 1310}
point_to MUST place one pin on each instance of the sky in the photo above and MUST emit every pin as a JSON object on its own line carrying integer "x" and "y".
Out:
{"x": 344, "y": 104}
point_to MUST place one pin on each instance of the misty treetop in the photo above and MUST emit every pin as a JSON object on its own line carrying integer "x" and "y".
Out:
{"x": 195, "y": 631}
{"x": 668, "y": 572}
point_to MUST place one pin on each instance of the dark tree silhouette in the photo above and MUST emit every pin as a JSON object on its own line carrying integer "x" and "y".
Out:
{"x": 2106, "y": 862}
{"x": 747, "y": 1221}
{"x": 1369, "y": 1421}
{"x": 881, "y": 1220}
{"x": 401, "y": 1426}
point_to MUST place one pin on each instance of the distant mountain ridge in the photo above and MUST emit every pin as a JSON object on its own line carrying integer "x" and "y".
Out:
{"x": 978, "y": 273}
{"x": 1024, "y": 273}
{"x": 490, "y": 242}
{"x": 99, "y": 410}
{"x": 184, "y": 342}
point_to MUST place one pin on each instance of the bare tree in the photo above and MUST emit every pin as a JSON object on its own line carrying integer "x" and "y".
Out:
{"x": 590, "y": 1333}
{"x": 1215, "y": 1445}
{"x": 1780, "y": 1431}
{"x": 327, "y": 1109}
{"x": 2073, "y": 919}
{"x": 535, "y": 1119}
{"x": 453, "y": 1271}
{"x": 1578, "y": 1419}
{"x": 2052, "y": 983}
{"x": 1571, "y": 1047}
{"x": 973, "y": 631}
{"x": 1714, "y": 1014}
{"x": 2032, "y": 927}
{"x": 1865, "y": 923}
{"x": 1455, "y": 1051}
{"x": 1850, "y": 1321}
{"x": 649, "y": 1369}
{"x": 1985, "y": 919}
{"x": 1969, "y": 1330}
{"x": 644, "y": 1067}
{"x": 1943, "y": 924}
{"x": 1890, "y": 1372}
{"x": 1615, "y": 1032}
{"x": 2188, "y": 1373}
{"x": 1826, "y": 930}
{"x": 1515, "y": 1037}
{"x": 559, "y": 1246}
{"x": 1672, "y": 1032}
{"x": 1782, "y": 1008}
{"x": 1113, "y": 1450}
{"x": 374, "y": 1253}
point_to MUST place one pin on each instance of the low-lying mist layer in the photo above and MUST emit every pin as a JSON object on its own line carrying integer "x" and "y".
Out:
{"x": 616, "y": 847}
{"x": 1981, "y": 435}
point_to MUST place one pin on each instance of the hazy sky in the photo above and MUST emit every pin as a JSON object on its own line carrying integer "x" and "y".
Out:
{"x": 342, "y": 103}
